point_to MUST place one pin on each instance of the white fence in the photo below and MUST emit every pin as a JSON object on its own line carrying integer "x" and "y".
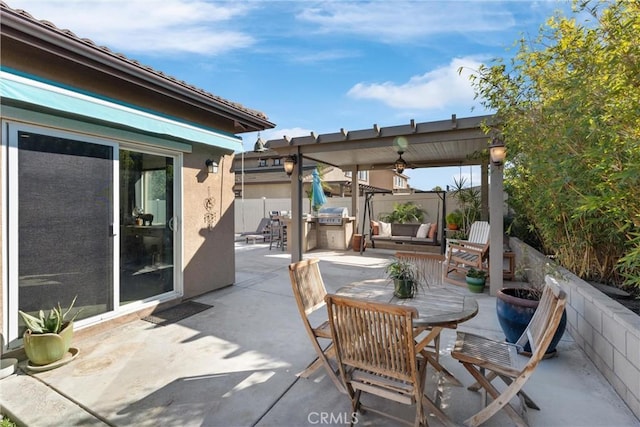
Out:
{"x": 249, "y": 212}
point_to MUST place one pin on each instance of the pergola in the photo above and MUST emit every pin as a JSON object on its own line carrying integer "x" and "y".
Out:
{"x": 454, "y": 142}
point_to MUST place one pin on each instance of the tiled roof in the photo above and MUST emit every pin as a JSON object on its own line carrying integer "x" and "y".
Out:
{"x": 120, "y": 57}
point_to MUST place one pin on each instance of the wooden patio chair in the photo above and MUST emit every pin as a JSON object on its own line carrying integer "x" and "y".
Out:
{"x": 464, "y": 254}
{"x": 377, "y": 354}
{"x": 487, "y": 359}
{"x": 428, "y": 269}
{"x": 428, "y": 266}
{"x": 429, "y": 272}
{"x": 309, "y": 292}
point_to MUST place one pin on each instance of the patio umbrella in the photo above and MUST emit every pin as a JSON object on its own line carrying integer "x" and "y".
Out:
{"x": 317, "y": 194}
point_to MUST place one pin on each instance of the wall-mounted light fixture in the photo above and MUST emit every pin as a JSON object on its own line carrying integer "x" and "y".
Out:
{"x": 212, "y": 167}
{"x": 289, "y": 163}
{"x": 497, "y": 152}
{"x": 400, "y": 165}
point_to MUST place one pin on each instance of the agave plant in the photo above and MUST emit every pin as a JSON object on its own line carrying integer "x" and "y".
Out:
{"x": 51, "y": 323}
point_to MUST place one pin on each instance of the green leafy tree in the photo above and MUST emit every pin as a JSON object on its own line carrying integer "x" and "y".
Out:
{"x": 568, "y": 108}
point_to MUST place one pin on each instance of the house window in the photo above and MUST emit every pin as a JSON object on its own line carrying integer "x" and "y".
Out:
{"x": 262, "y": 163}
{"x": 363, "y": 175}
{"x": 399, "y": 182}
{"x": 277, "y": 162}
{"x": 347, "y": 174}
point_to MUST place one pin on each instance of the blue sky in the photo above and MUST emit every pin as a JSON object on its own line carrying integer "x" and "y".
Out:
{"x": 316, "y": 65}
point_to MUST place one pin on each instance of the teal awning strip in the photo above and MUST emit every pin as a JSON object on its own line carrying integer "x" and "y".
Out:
{"x": 51, "y": 97}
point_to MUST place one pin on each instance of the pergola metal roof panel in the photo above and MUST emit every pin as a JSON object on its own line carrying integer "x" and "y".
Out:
{"x": 429, "y": 144}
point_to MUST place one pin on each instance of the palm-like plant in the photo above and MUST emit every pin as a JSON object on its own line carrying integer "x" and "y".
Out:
{"x": 404, "y": 213}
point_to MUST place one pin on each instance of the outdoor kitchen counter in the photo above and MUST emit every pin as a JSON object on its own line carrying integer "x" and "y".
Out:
{"x": 316, "y": 235}
{"x": 309, "y": 233}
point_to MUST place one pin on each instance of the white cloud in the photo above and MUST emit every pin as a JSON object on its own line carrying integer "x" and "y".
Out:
{"x": 394, "y": 21}
{"x": 435, "y": 89}
{"x": 153, "y": 26}
{"x": 324, "y": 56}
{"x": 281, "y": 133}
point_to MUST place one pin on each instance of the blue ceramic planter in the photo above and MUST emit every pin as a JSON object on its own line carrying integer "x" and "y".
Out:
{"x": 515, "y": 313}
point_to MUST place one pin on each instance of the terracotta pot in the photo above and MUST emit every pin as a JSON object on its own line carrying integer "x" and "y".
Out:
{"x": 43, "y": 349}
{"x": 452, "y": 226}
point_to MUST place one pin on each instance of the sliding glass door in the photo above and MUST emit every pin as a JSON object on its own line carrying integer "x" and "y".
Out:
{"x": 65, "y": 223}
{"x": 146, "y": 223}
{"x": 86, "y": 218}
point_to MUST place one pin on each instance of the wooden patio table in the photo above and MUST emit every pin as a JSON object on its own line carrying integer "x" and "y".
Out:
{"x": 438, "y": 308}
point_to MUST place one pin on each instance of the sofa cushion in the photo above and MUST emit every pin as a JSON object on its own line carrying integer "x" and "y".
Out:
{"x": 420, "y": 241}
{"x": 423, "y": 230}
{"x": 432, "y": 231}
{"x": 404, "y": 229}
{"x": 385, "y": 229}
{"x": 375, "y": 228}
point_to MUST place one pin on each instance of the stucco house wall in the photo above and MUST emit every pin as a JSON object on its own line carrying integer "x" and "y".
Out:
{"x": 208, "y": 262}
{"x": 206, "y": 129}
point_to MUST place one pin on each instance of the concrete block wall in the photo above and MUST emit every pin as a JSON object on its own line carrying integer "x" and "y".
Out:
{"x": 607, "y": 331}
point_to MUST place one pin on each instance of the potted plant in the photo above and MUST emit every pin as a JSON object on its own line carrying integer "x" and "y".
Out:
{"x": 476, "y": 280}
{"x": 454, "y": 220}
{"x": 404, "y": 278}
{"x": 48, "y": 337}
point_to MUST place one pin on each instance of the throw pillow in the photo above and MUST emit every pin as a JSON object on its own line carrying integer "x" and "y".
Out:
{"x": 385, "y": 229}
{"x": 432, "y": 231}
{"x": 423, "y": 230}
{"x": 375, "y": 228}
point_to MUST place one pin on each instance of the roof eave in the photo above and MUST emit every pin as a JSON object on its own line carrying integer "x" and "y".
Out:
{"x": 105, "y": 60}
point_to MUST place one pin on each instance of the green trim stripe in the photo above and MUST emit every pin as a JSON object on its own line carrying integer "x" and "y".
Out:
{"x": 49, "y": 97}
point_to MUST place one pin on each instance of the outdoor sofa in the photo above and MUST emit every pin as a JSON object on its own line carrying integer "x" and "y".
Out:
{"x": 394, "y": 236}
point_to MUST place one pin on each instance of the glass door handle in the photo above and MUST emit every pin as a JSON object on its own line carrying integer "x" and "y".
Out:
{"x": 112, "y": 232}
{"x": 172, "y": 222}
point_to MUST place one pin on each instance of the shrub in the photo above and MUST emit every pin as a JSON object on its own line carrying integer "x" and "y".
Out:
{"x": 404, "y": 213}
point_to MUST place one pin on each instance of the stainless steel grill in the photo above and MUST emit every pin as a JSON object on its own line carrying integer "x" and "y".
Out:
{"x": 332, "y": 216}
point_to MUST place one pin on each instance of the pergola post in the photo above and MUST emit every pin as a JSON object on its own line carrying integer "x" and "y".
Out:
{"x": 355, "y": 198}
{"x": 496, "y": 229}
{"x": 484, "y": 191}
{"x": 294, "y": 236}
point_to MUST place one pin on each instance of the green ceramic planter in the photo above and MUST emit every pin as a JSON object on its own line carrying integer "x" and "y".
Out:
{"x": 43, "y": 349}
{"x": 476, "y": 284}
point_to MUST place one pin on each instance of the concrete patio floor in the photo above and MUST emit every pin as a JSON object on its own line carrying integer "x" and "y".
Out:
{"x": 235, "y": 365}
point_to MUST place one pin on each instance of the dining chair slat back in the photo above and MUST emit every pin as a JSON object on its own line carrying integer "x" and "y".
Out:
{"x": 376, "y": 353}
{"x": 309, "y": 292}
{"x": 428, "y": 266}
{"x": 310, "y": 286}
{"x": 479, "y": 354}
